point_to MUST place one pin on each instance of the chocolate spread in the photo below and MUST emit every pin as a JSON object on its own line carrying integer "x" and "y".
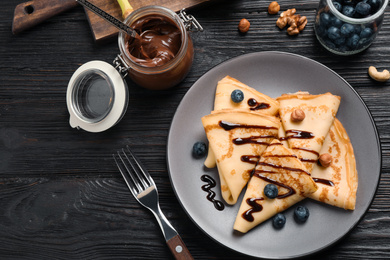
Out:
{"x": 159, "y": 41}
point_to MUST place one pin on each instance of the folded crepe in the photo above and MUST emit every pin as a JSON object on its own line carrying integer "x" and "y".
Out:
{"x": 306, "y": 137}
{"x": 237, "y": 139}
{"x": 254, "y": 101}
{"x": 337, "y": 184}
{"x": 280, "y": 166}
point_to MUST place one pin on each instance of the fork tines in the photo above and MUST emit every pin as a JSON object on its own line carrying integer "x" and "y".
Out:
{"x": 135, "y": 175}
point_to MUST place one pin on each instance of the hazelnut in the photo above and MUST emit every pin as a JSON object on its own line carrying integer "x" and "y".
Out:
{"x": 325, "y": 159}
{"x": 297, "y": 115}
{"x": 273, "y": 8}
{"x": 244, "y": 25}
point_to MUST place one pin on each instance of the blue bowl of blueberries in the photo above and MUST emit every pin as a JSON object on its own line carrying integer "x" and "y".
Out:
{"x": 347, "y": 27}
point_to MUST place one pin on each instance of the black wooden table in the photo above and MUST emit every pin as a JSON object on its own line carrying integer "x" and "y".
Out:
{"x": 61, "y": 197}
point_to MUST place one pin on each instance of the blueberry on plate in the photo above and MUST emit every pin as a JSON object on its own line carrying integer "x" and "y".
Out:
{"x": 348, "y": 11}
{"x": 363, "y": 9}
{"x": 347, "y": 29}
{"x": 279, "y": 221}
{"x": 199, "y": 149}
{"x": 271, "y": 191}
{"x": 301, "y": 214}
{"x": 237, "y": 96}
{"x": 334, "y": 33}
{"x": 353, "y": 41}
{"x": 366, "y": 33}
{"x": 325, "y": 19}
{"x": 338, "y": 6}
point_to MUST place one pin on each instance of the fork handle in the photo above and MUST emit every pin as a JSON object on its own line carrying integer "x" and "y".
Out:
{"x": 178, "y": 248}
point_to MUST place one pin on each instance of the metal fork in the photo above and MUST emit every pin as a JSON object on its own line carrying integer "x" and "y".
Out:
{"x": 145, "y": 192}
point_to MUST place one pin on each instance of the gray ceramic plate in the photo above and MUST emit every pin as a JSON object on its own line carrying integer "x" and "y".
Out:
{"x": 272, "y": 73}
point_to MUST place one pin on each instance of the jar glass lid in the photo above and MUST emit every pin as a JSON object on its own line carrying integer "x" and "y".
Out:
{"x": 97, "y": 97}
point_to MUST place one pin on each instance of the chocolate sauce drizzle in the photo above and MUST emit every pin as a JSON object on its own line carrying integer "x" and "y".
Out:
{"x": 323, "y": 181}
{"x": 283, "y": 167}
{"x": 297, "y": 134}
{"x": 290, "y": 192}
{"x": 247, "y": 215}
{"x": 252, "y": 140}
{"x": 253, "y": 159}
{"x": 257, "y": 106}
{"x": 211, "y": 194}
{"x": 230, "y": 126}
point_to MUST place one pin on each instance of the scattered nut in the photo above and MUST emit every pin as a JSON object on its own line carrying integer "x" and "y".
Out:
{"x": 244, "y": 25}
{"x": 288, "y": 12}
{"x": 325, "y": 159}
{"x": 273, "y": 8}
{"x": 297, "y": 115}
{"x": 378, "y": 76}
{"x": 302, "y": 23}
{"x": 281, "y": 22}
{"x": 296, "y": 22}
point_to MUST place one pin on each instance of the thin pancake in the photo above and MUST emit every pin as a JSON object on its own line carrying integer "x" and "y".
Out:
{"x": 238, "y": 138}
{"x": 254, "y": 101}
{"x": 306, "y": 137}
{"x": 337, "y": 184}
{"x": 280, "y": 166}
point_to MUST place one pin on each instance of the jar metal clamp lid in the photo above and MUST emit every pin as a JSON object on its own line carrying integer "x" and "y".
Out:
{"x": 97, "y": 97}
{"x": 97, "y": 94}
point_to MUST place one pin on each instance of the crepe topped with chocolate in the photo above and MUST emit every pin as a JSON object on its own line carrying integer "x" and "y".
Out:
{"x": 278, "y": 165}
{"x": 306, "y": 120}
{"x": 254, "y": 101}
{"x": 337, "y": 178}
{"x": 237, "y": 139}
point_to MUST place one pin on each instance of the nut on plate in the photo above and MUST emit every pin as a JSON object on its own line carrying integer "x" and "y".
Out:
{"x": 244, "y": 25}
{"x": 378, "y": 76}
{"x": 297, "y": 115}
{"x": 273, "y": 8}
{"x": 325, "y": 159}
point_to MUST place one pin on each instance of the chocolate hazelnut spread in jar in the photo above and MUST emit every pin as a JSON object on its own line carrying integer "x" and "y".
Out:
{"x": 163, "y": 53}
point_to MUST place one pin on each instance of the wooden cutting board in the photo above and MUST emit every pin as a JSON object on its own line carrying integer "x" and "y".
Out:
{"x": 103, "y": 31}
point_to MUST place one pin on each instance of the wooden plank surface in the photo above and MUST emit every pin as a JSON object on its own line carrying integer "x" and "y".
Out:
{"x": 102, "y": 30}
{"x": 61, "y": 196}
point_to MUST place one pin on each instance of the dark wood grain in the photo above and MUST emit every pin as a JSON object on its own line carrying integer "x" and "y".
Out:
{"x": 103, "y": 31}
{"x": 61, "y": 196}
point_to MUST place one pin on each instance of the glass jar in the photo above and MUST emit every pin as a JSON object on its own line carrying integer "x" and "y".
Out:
{"x": 345, "y": 35}
{"x": 162, "y": 76}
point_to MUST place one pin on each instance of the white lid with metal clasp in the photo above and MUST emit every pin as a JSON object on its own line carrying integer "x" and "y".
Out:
{"x": 97, "y": 97}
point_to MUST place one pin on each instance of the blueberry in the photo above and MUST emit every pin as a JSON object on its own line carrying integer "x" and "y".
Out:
{"x": 325, "y": 19}
{"x": 339, "y": 41}
{"x": 237, "y": 96}
{"x": 279, "y": 221}
{"x": 271, "y": 191}
{"x": 334, "y": 33}
{"x": 358, "y": 29}
{"x": 199, "y": 149}
{"x": 347, "y": 30}
{"x": 348, "y": 11}
{"x": 330, "y": 44}
{"x": 363, "y": 9}
{"x": 338, "y": 6}
{"x": 366, "y": 33}
{"x": 375, "y": 5}
{"x": 353, "y": 41}
{"x": 336, "y": 22}
{"x": 301, "y": 214}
